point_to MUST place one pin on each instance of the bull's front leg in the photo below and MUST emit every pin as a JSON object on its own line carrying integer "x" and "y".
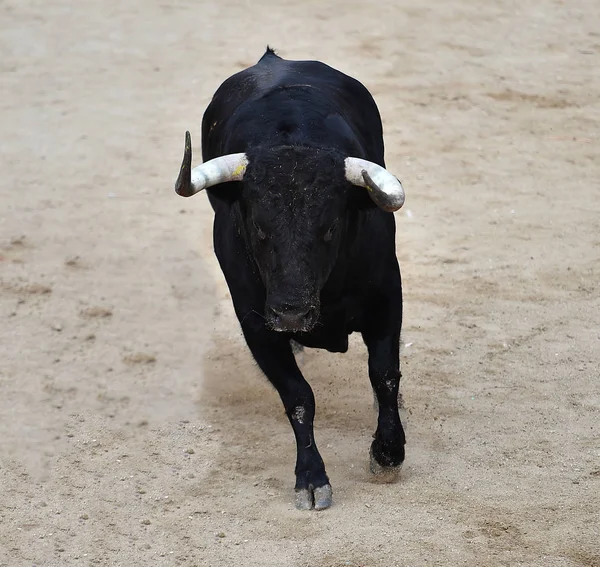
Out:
{"x": 387, "y": 449}
{"x": 274, "y": 355}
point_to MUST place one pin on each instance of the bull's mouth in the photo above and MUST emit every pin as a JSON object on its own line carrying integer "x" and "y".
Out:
{"x": 288, "y": 319}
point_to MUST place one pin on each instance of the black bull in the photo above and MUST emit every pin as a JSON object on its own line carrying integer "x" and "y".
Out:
{"x": 308, "y": 255}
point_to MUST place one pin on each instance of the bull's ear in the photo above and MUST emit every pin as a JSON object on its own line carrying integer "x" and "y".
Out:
{"x": 227, "y": 193}
{"x": 359, "y": 198}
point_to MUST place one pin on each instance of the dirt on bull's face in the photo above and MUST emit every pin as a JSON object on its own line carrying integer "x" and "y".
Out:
{"x": 295, "y": 204}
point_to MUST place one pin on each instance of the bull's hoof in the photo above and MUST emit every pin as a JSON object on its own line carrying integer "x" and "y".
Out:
{"x": 383, "y": 473}
{"x": 317, "y": 498}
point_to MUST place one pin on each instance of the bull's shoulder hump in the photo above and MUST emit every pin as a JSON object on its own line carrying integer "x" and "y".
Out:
{"x": 272, "y": 72}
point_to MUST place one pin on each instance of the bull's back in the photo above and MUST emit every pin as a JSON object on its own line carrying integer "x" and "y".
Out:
{"x": 247, "y": 100}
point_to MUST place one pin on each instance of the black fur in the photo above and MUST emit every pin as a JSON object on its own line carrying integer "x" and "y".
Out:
{"x": 306, "y": 255}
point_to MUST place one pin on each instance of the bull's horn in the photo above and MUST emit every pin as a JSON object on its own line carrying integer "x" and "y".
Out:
{"x": 384, "y": 189}
{"x": 218, "y": 170}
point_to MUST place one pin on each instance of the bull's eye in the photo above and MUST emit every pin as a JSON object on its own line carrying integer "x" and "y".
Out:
{"x": 328, "y": 237}
{"x": 259, "y": 231}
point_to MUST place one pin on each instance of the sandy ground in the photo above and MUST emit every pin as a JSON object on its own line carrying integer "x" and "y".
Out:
{"x": 134, "y": 427}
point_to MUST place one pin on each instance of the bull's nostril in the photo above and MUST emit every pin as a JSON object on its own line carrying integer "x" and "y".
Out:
{"x": 291, "y": 318}
{"x": 290, "y": 312}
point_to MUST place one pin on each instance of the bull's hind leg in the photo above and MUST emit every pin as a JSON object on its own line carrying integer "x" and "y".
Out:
{"x": 387, "y": 449}
{"x": 274, "y": 355}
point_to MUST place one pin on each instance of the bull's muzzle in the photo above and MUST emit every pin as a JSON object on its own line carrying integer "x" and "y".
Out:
{"x": 291, "y": 319}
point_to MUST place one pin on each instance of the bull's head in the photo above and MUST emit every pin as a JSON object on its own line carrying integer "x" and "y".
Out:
{"x": 294, "y": 202}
